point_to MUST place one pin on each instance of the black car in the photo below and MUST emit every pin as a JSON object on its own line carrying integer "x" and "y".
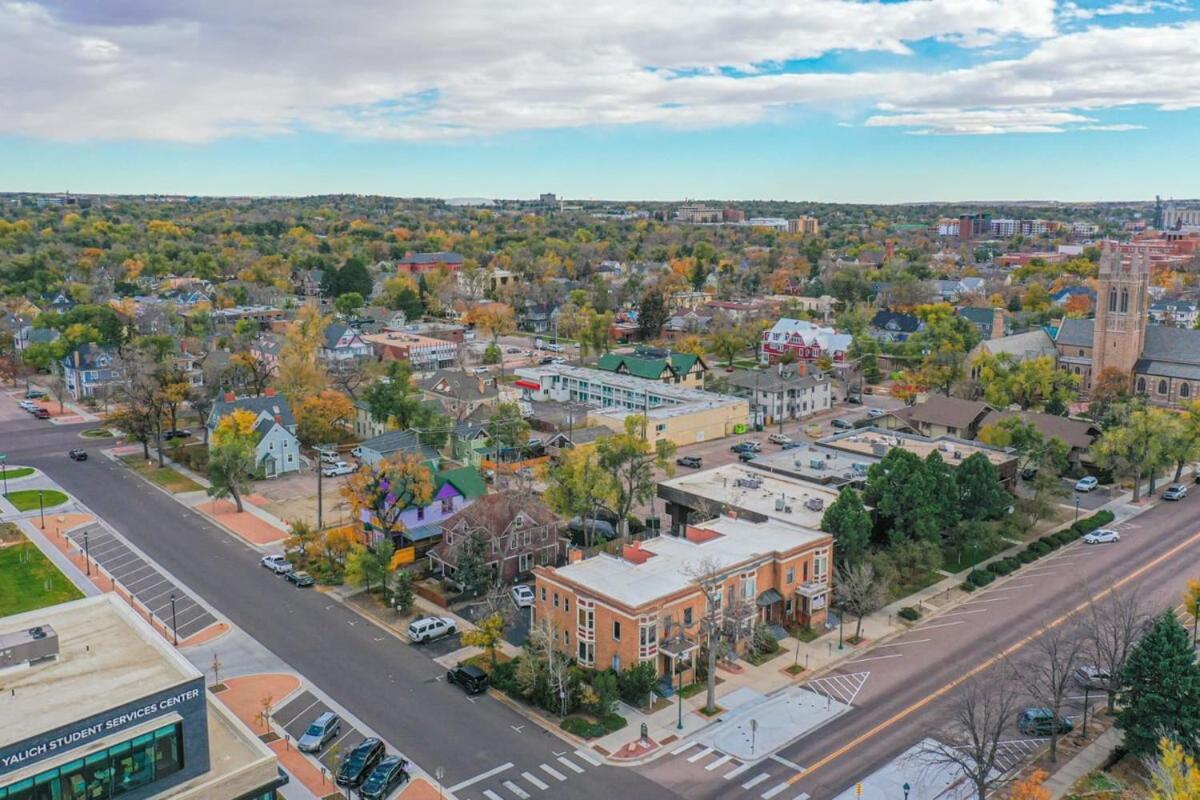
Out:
{"x": 747, "y": 455}
{"x": 471, "y": 678}
{"x": 689, "y": 461}
{"x": 177, "y": 434}
{"x": 301, "y": 579}
{"x": 390, "y": 773}
{"x": 78, "y": 454}
{"x": 362, "y": 759}
{"x": 842, "y": 424}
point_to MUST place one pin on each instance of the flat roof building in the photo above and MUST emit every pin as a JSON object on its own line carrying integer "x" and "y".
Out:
{"x": 746, "y": 493}
{"x": 97, "y": 705}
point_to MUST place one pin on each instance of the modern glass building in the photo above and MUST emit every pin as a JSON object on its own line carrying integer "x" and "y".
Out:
{"x": 97, "y": 706}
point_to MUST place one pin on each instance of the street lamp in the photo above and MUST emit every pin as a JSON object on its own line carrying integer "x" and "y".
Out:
{"x": 87, "y": 553}
{"x": 4, "y": 470}
{"x": 907, "y": 789}
{"x": 1076, "y": 508}
{"x": 42, "y": 509}
{"x": 841, "y": 629}
{"x": 174, "y": 622}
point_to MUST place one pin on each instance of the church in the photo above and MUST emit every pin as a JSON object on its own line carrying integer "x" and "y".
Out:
{"x": 1163, "y": 362}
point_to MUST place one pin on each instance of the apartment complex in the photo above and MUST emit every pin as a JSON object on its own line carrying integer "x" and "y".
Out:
{"x": 647, "y": 604}
{"x": 423, "y": 353}
{"x": 809, "y": 226}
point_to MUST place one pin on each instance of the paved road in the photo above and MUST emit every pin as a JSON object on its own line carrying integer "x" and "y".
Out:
{"x": 393, "y": 688}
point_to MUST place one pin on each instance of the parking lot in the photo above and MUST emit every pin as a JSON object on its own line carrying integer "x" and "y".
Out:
{"x": 298, "y": 714}
{"x": 151, "y": 588}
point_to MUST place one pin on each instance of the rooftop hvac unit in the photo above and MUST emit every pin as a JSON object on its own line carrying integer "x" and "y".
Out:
{"x": 28, "y": 646}
{"x": 814, "y": 504}
{"x": 816, "y": 463}
{"x": 957, "y": 455}
{"x": 943, "y": 447}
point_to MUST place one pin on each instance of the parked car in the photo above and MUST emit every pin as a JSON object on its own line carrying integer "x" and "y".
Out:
{"x": 179, "y": 433}
{"x": 747, "y": 455}
{"x": 320, "y": 732}
{"x": 302, "y": 579}
{"x": 600, "y": 528}
{"x": 1086, "y": 484}
{"x": 512, "y": 350}
{"x": 357, "y": 451}
{"x": 558, "y": 360}
{"x": 277, "y": 564}
{"x": 337, "y": 468}
{"x": 1029, "y": 473}
{"x": 34, "y": 394}
{"x": 522, "y": 595}
{"x": 329, "y": 456}
{"x": 78, "y": 454}
{"x": 387, "y": 775}
{"x": 689, "y": 461}
{"x": 472, "y": 679}
{"x": 876, "y": 413}
{"x": 42, "y": 413}
{"x": 1176, "y": 492}
{"x": 842, "y": 424}
{"x": 779, "y": 438}
{"x": 362, "y": 759}
{"x": 1042, "y": 722}
{"x": 789, "y": 445}
{"x": 1091, "y": 677}
{"x": 1102, "y": 536}
{"x": 426, "y": 629}
{"x": 28, "y": 405}
{"x": 746, "y": 447}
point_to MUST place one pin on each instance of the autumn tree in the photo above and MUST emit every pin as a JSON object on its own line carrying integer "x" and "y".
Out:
{"x": 488, "y": 635}
{"x": 727, "y": 344}
{"x": 334, "y": 548}
{"x": 396, "y": 402}
{"x": 380, "y": 493}
{"x": 371, "y": 566}
{"x": 1030, "y": 787}
{"x": 232, "y": 456}
{"x": 1134, "y": 449}
{"x": 578, "y": 486}
{"x": 299, "y": 370}
{"x": 1175, "y": 774}
{"x": 631, "y": 460}
{"x": 322, "y": 417}
{"x": 1110, "y": 388}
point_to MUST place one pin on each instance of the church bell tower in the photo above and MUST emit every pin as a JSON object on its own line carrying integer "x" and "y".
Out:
{"x": 1121, "y": 310}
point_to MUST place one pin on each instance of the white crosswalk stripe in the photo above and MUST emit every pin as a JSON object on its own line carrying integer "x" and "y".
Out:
{"x": 842, "y": 688}
{"x": 538, "y": 782}
{"x": 552, "y": 772}
{"x": 588, "y": 757}
{"x": 755, "y": 781}
{"x": 490, "y": 795}
{"x": 802, "y": 796}
{"x": 683, "y": 748}
{"x": 517, "y": 790}
{"x": 733, "y": 773}
{"x": 774, "y": 790}
{"x": 571, "y": 765}
{"x": 700, "y": 755}
{"x": 725, "y": 759}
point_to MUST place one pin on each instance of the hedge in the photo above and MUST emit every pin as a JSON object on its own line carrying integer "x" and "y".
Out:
{"x": 583, "y": 728}
{"x": 1040, "y": 548}
{"x": 909, "y": 613}
{"x": 1089, "y": 524}
{"x": 1051, "y": 542}
{"x": 966, "y": 587}
{"x": 980, "y": 577}
{"x": 1003, "y": 566}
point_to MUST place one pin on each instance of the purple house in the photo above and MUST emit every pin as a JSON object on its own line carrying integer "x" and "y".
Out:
{"x": 454, "y": 490}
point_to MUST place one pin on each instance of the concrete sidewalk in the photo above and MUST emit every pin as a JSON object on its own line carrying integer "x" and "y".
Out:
{"x": 1089, "y": 758}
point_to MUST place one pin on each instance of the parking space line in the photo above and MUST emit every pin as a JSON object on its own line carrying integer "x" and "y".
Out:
{"x": 571, "y": 765}
{"x": 299, "y": 714}
{"x": 875, "y": 658}
{"x": 946, "y": 625}
{"x": 517, "y": 790}
{"x": 551, "y": 771}
{"x": 964, "y": 613}
{"x": 538, "y": 782}
{"x": 910, "y": 641}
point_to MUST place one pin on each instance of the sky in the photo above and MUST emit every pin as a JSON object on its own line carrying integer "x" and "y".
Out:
{"x": 822, "y": 100}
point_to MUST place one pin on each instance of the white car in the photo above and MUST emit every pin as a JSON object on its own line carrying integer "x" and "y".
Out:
{"x": 1176, "y": 492}
{"x": 1087, "y": 484}
{"x": 28, "y": 405}
{"x": 277, "y": 564}
{"x": 1102, "y": 536}
{"x": 779, "y": 438}
{"x": 875, "y": 413}
{"x": 340, "y": 468}
{"x": 328, "y": 456}
{"x": 357, "y": 452}
{"x": 426, "y": 629}
{"x": 522, "y": 595}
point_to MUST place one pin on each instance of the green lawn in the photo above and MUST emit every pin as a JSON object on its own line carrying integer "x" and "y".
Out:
{"x": 953, "y": 562}
{"x": 28, "y": 580}
{"x": 165, "y": 477}
{"x": 27, "y": 499}
{"x": 97, "y": 433}
{"x": 901, "y": 589}
{"x": 12, "y": 473}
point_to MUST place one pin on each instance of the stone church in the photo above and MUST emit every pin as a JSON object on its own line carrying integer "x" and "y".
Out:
{"x": 1164, "y": 363}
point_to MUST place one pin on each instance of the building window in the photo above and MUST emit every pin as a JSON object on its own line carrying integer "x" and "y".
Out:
{"x": 820, "y": 567}
{"x": 1185, "y": 390}
{"x": 587, "y": 617}
{"x": 1162, "y": 387}
{"x": 616, "y": 630}
{"x": 543, "y": 594}
{"x": 556, "y": 599}
{"x": 447, "y": 505}
{"x": 791, "y": 574}
{"x": 1112, "y": 299}
{"x": 1124, "y": 301}
{"x": 1141, "y": 385}
{"x": 648, "y": 639}
{"x": 566, "y": 603}
{"x": 1081, "y": 352}
{"x": 616, "y": 662}
{"x": 587, "y": 653}
{"x": 525, "y": 562}
{"x": 420, "y": 514}
{"x": 687, "y": 617}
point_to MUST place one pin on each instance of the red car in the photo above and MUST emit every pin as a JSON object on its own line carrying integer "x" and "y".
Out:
{"x": 42, "y": 413}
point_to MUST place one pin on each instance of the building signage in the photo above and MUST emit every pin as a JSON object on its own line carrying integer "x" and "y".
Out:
{"x": 68, "y": 737}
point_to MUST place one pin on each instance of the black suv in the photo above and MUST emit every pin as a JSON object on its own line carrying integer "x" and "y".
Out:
{"x": 471, "y": 678}
{"x": 358, "y": 765}
{"x": 390, "y": 773}
{"x": 689, "y": 461}
{"x": 78, "y": 454}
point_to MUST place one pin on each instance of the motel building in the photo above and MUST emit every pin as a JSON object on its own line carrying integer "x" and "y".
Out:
{"x": 97, "y": 705}
{"x": 647, "y": 604}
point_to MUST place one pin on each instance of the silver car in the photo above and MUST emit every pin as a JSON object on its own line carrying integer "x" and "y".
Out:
{"x": 320, "y": 732}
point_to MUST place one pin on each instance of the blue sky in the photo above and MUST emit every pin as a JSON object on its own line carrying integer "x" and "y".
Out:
{"x": 830, "y": 100}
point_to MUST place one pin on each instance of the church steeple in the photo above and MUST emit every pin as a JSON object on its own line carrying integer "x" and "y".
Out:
{"x": 1121, "y": 310}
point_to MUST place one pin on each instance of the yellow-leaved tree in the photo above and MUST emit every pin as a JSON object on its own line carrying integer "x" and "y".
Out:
{"x": 232, "y": 457}
{"x": 1175, "y": 775}
{"x": 299, "y": 370}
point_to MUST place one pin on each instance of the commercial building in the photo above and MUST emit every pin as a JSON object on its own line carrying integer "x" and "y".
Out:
{"x": 682, "y": 369}
{"x": 783, "y": 393}
{"x": 647, "y": 604}
{"x": 744, "y": 492}
{"x": 674, "y": 413}
{"x": 809, "y": 226}
{"x": 872, "y": 444}
{"x": 97, "y": 705}
{"x": 421, "y": 352}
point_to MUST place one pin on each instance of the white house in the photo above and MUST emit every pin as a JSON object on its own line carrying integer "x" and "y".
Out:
{"x": 90, "y": 369}
{"x": 343, "y": 343}
{"x": 278, "y": 449}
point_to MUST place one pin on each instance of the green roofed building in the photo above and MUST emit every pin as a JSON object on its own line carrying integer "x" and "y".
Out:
{"x": 652, "y": 364}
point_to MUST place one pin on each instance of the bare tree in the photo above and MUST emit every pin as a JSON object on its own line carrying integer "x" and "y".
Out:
{"x": 721, "y": 623}
{"x": 982, "y": 708}
{"x": 56, "y": 383}
{"x": 1111, "y": 627}
{"x": 1048, "y": 671}
{"x": 859, "y": 591}
{"x": 544, "y": 658}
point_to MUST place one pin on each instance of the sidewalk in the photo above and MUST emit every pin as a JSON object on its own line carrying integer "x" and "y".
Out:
{"x": 1089, "y": 758}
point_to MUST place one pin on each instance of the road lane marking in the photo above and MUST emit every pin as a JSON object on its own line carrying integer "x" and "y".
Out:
{"x": 552, "y": 772}
{"x": 588, "y": 757}
{"x": 700, "y": 755}
{"x": 480, "y": 777}
{"x": 538, "y": 782}
{"x": 571, "y": 765}
{"x": 517, "y": 790}
{"x": 947, "y": 625}
{"x": 774, "y": 790}
{"x": 910, "y": 641}
{"x": 725, "y": 759}
{"x": 987, "y": 663}
{"x": 1019, "y": 585}
{"x": 875, "y": 658}
{"x": 964, "y": 613}
{"x": 986, "y": 600}
{"x": 755, "y": 781}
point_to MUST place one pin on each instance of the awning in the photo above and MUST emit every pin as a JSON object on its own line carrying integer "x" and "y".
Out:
{"x": 524, "y": 384}
{"x": 769, "y": 598}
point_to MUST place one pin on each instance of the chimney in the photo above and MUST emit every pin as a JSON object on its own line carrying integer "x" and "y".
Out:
{"x": 230, "y": 397}
{"x": 997, "y": 323}
{"x": 270, "y": 392}
{"x": 574, "y": 555}
{"x": 889, "y": 248}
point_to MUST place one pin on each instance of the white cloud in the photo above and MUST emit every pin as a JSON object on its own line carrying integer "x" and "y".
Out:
{"x": 1142, "y": 7}
{"x": 176, "y": 71}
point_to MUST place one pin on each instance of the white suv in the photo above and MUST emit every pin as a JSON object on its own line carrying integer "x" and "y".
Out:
{"x": 426, "y": 629}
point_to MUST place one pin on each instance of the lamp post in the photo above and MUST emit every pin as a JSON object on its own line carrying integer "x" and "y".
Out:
{"x": 4, "y": 470}
{"x": 174, "y": 622}
{"x": 87, "y": 553}
{"x": 1076, "y": 508}
{"x": 41, "y": 510}
{"x": 679, "y": 691}
{"x": 907, "y": 789}
{"x": 841, "y": 629}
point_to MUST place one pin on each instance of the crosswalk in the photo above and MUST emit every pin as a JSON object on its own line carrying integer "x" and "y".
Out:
{"x": 505, "y": 783}
{"x": 843, "y": 688}
{"x": 768, "y": 779}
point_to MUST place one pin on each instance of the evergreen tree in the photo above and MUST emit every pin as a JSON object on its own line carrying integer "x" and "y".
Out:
{"x": 979, "y": 491}
{"x": 652, "y": 315}
{"x": 850, "y": 524}
{"x": 1161, "y": 695}
{"x": 354, "y": 277}
{"x": 945, "y": 490}
{"x": 902, "y": 494}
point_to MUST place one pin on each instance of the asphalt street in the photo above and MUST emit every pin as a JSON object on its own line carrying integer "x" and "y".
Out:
{"x": 392, "y": 687}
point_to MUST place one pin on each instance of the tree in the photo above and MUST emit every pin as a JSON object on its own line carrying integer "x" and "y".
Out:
{"x": 1034, "y": 383}
{"x": 495, "y": 320}
{"x": 1161, "y": 690}
{"x": 299, "y": 370}
{"x": 395, "y": 402}
{"x": 718, "y": 619}
{"x": 249, "y": 371}
{"x": 370, "y": 566}
{"x": 488, "y": 635}
{"x": 850, "y": 524}
{"x": 980, "y": 494}
{"x": 578, "y": 487}
{"x": 347, "y": 304}
{"x": 944, "y": 500}
{"x": 335, "y": 547}
{"x": 1182, "y": 438}
{"x": 632, "y": 461}
{"x": 1174, "y": 775}
{"x": 1110, "y": 388}
{"x": 506, "y": 426}
{"x": 1030, "y": 787}
{"x": 402, "y": 591}
{"x": 859, "y": 591}
{"x": 1111, "y": 627}
{"x": 322, "y": 417}
{"x": 471, "y": 569}
{"x": 303, "y": 536}
{"x": 232, "y": 457}
{"x": 899, "y": 489}
{"x": 727, "y": 344}
{"x": 1191, "y": 603}
{"x": 353, "y": 276}
{"x": 982, "y": 710}
{"x": 400, "y": 295}
{"x": 652, "y": 315}
{"x": 1049, "y": 671}
{"x": 1135, "y": 448}
{"x": 380, "y": 493}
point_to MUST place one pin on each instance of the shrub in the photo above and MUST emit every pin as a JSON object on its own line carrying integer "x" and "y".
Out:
{"x": 578, "y": 726}
{"x": 1097, "y": 520}
{"x": 980, "y": 577}
{"x": 1003, "y": 566}
{"x": 1040, "y": 547}
{"x": 504, "y": 678}
{"x": 966, "y": 587}
{"x": 909, "y": 613}
{"x": 1027, "y": 556}
{"x": 613, "y": 722}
